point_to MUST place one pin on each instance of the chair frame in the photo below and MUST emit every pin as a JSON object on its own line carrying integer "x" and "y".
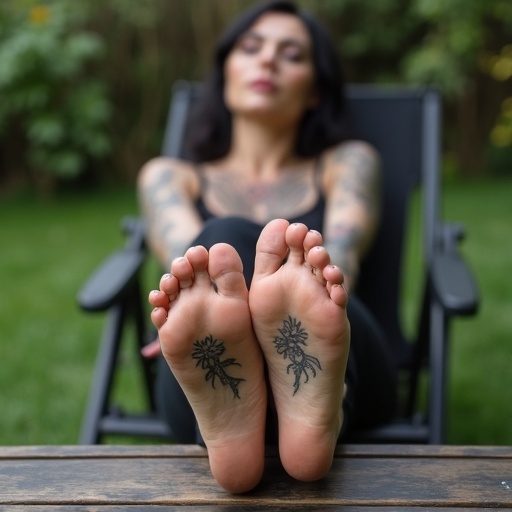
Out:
{"x": 449, "y": 287}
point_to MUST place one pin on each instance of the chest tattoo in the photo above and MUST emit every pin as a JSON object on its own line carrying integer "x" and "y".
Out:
{"x": 289, "y": 195}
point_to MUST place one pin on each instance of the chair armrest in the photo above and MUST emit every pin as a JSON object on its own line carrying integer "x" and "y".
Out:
{"x": 110, "y": 280}
{"x": 452, "y": 281}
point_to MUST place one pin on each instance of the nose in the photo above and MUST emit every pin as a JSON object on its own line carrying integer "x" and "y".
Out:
{"x": 268, "y": 55}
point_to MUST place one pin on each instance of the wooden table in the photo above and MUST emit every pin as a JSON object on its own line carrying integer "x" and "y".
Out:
{"x": 178, "y": 478}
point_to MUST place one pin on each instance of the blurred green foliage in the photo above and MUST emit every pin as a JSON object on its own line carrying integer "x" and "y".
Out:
{"x": 433, "y": 41}
{"x": 45, "y": 84}
{"x": 86, "y": 85}
{"x": 461, "y": 46}
{"x": 500, "y": 68}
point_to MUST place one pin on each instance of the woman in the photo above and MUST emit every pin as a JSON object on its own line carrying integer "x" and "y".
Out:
{"x": 252, "y": 320}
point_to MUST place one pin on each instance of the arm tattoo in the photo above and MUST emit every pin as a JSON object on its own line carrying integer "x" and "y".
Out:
{"x": 343, "y": 240}
{"x": 159, "y": 196}
{"x": 347, "y": 237}
{"x": 354, "y": 206}
{"x": 292, "y": 334}
{"x": 207, "y": 353}
{"x": 361, "y": 178}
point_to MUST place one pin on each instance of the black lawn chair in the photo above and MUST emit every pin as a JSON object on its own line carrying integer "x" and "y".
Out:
{"x": 404, "y": 124}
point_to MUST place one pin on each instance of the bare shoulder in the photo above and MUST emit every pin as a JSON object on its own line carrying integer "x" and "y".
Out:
{"x": 352, "y": 155}
{"x": 166, "y": 171}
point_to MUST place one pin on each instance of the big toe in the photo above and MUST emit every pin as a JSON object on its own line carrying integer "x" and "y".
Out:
{"x": 271, "y": 249}
{"x": 226, "y": 270}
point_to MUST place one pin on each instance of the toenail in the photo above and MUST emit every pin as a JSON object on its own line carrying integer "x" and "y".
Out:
{"x": 155, "y": 292}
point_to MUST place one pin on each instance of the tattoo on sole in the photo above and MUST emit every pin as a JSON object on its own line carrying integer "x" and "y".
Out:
{"x": 292, "y": 335}
{"x": 207, "y": 352}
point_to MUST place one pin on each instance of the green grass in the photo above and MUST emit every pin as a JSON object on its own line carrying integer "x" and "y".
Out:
{"x": 481, "y": 378}
{"x": 479, "y": 409}
{"x": 49, "y": 346}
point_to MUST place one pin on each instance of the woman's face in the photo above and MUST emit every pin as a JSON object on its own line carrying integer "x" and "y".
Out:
{"x": 269, "y": 73}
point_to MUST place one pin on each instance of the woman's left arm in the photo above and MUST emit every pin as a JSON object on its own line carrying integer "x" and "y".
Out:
{"x": 352, "y": 190}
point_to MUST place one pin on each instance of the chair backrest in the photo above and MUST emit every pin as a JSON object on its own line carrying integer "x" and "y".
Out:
{"x": 403, "y": 123}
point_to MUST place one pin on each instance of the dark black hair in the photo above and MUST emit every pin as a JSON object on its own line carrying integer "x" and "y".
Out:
{"x": 209, "y": 134}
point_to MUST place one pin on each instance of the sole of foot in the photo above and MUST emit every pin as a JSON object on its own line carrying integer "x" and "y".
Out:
{"x": 205, "y": 331}
{"x": 298, "y": 309}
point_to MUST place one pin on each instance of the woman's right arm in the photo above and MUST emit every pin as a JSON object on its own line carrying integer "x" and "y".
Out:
{"x": 167, "y": 190}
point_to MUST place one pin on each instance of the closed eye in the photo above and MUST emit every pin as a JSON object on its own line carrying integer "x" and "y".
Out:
{"x": 250, "y": 43}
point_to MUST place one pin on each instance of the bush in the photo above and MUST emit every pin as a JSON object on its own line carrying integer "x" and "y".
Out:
{"x": 62, "y": 109}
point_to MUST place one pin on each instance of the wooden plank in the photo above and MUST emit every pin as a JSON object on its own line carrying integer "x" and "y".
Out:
{"x": 101, "y": 451}
{"x": 175, "y": 450}
{"x": 173, "y": 476}
{"x": 425, "y": 450}
{"x": 217, "y": 508}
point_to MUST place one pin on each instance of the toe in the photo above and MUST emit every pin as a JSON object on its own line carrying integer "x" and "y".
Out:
{"x": 182, "y": 270}
{"x": 198, "y": 258}
{"x": 318, "y": 257}
{"x": 159, "y": 317}
{"x": 295, "y": 237}
{"x": 334, "y": 278}
{"x": 333, "y": 274}
{"x": 170, "y": 286}
{"x": 338, "y": 295}
{"x": 158, "y": 298}
{"x": 226, "y": 269}
{"x": 271, "y": 249}
{"x": 313, "y": 239}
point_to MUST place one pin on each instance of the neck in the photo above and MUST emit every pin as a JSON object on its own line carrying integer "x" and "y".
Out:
{"x": 259, "y": 150}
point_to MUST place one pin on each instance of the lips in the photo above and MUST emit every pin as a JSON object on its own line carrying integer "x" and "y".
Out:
{"x": 263, "y": 86}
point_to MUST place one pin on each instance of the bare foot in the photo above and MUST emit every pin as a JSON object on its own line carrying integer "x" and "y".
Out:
{"x": 298, "y": 309}
{"x": 205, "y": 330}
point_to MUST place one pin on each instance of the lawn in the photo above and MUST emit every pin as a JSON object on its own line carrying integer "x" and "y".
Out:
{"x": 481, "y": 383}
{"x": 49, "y": 346}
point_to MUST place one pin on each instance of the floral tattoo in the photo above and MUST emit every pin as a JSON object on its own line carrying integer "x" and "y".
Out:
{"x": 292, "y": 335}
{"x": 207, "y": 352}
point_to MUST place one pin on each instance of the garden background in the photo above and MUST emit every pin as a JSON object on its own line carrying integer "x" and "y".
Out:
{"x": 84, "y": 90}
